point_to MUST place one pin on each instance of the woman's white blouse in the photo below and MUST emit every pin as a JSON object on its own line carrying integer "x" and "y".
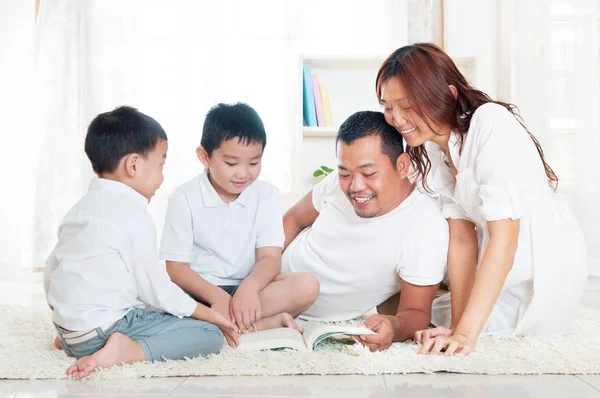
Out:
{"x": 500, "y": 176}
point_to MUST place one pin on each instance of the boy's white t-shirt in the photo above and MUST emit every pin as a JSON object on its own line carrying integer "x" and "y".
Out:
{"x": 359, "y": 261}
{"x": 220, "y": 239}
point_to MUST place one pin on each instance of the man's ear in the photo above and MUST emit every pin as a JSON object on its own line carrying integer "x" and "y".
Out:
{"x": 203, "y": 156}
{"x": 403, "y": 164}
{"x": 131, "y": 163}
{"x": 454, "y": 91}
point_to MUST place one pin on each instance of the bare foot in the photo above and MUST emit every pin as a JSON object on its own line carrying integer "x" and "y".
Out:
{"x": 57, "y": 343}
{"x": 281, "y": 320}
{"x": 118, "y": 349}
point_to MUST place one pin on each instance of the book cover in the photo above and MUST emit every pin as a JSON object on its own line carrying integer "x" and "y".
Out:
{"x": 318, "y": 103}
{"x": 326, "y": 105}
{"x": 308, "y": 103}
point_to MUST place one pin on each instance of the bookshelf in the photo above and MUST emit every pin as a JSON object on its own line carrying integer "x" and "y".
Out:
{"x": 350, "y": 82}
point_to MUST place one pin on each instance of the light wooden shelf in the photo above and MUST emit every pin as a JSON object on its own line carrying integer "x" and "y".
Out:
{"x": 329, "y": 131}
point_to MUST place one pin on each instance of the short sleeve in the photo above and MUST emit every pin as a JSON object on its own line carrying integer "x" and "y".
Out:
{"x": 270, "y": 232}
{"x": 178, "y": 233}
{"x": 423, "y": 259}
{"x": 324, "y": 188}
{"x": 505, "y": 163}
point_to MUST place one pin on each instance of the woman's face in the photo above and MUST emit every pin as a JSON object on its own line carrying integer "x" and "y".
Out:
{"x": 400, "y": 113}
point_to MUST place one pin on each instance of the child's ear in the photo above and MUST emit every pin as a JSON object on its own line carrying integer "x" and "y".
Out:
{"x": 131, "y": 163}
{"x": 403, "y": 164}
{"x": 203, "y": 156}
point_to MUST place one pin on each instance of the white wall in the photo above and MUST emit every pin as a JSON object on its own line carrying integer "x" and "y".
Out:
{"x": 17, "y": 33}
{"x": 470, "y": 30}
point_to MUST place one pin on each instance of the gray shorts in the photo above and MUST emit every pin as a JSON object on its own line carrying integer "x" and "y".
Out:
{"x": 161, "y": 335}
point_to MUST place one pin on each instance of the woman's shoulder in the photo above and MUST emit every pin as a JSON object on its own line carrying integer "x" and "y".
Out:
{"x": 492, "y": 117}
{"x": 491, "y": 111}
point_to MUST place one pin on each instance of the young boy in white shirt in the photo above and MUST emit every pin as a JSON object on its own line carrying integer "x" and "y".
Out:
{"x": 103, "y": 273}
{"x": 223, "y": 233}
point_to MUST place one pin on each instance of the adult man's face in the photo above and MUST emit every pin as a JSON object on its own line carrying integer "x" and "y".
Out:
{"x": 368, "y": 178}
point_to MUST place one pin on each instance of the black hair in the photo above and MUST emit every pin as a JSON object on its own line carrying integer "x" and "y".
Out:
{"x": 120, "y": 132}
{"x": 367, "y": 123}
{"x": 227, "y": 121}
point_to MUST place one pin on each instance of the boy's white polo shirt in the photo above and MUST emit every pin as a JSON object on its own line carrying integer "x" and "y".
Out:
{"x": 220, "y": 239}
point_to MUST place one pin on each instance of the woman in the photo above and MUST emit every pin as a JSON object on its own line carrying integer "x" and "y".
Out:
{"x": 516, "y": 260}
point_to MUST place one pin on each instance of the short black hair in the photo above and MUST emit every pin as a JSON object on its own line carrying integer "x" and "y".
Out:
{"x": 120, "y": 132}
{"x": 226, "y": 121}
{"x": 367, "y": 123}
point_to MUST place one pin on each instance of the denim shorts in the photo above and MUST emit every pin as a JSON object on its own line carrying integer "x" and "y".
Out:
{"x": 161, "y": 335}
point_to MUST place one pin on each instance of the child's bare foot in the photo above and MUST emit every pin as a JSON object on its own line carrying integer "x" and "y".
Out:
{"x": 57, "y": 343}
{"x": 281, "y": 320}
{"x": 118, "y": 349}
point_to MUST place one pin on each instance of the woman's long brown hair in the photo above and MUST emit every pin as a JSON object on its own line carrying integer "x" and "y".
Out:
{"x": 426, "y": 72}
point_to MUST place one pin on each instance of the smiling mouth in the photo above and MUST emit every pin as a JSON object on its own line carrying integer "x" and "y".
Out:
{"x": 362, "y": 200}
{"x": 407, "y": 131}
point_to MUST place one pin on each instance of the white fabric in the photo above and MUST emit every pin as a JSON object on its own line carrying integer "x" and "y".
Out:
{"x": 105, "y": 264}
{"x": 500, "y": 176}
{"x": 359, "y": 261}
{"x": 220, "y": 239}
{"x": 552, "y": 76}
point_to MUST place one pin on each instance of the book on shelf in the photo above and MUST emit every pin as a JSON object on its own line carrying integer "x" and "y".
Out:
{"x": 308, "y": 102}
{"x": 314, "y": 334}
{"x": 317, "y": 97}
{"x": 326, "y": 105}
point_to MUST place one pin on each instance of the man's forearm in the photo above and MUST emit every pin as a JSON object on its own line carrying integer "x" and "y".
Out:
{"x": 407, "y": 322}
{"x": 189, "y": 280}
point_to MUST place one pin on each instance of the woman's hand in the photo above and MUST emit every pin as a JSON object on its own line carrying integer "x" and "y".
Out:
{"x": 423, "y": 335}
{"x": 455, "y": 344}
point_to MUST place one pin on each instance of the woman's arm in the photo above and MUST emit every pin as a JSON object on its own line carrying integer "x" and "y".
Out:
{"x": 495, "y": 266}
{"x": 462, "y": 265}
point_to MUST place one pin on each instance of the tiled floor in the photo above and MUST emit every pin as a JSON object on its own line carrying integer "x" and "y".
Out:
{"x": 27, "y": 290}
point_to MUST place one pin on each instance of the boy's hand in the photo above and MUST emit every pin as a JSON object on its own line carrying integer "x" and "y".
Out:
{"x": 245, "y": 307}
{"x": 229, "y": 329}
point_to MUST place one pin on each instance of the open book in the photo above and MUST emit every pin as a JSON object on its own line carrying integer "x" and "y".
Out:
{"x": 314, "y": 333}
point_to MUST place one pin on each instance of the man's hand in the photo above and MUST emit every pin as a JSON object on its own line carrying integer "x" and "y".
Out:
{"x": 245, "y": 307}
{"x": 384, "y": 327}
{"x": 455, "y": 344}
{"x": 423, "y": 335}
{"x": 229, "y": 329}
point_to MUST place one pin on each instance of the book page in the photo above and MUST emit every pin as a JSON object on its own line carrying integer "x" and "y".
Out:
{"x": 272, "y": 339}
{"x": 315, "y": 332}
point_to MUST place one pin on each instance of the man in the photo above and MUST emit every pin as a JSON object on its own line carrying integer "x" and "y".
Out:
{"x": 367, "y": 233}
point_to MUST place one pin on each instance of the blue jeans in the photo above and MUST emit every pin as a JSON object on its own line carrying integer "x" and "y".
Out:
{"x": 162, "y": 336}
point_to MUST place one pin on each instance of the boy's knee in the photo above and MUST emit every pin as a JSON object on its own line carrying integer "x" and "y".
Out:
{"x": 307, "y": 286}
{"x": 208, "y": 340}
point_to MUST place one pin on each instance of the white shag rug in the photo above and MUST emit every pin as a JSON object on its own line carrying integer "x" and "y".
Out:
{"x": 27, "y": 352}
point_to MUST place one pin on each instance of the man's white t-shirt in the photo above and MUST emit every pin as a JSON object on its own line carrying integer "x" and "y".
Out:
{"x": 220, "y": 239}
{"x": 359, "y": 261}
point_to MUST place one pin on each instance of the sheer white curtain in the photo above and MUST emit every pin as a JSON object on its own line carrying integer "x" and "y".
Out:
{"x": 552, "y": 65}
{"x": 173, "y": 61}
